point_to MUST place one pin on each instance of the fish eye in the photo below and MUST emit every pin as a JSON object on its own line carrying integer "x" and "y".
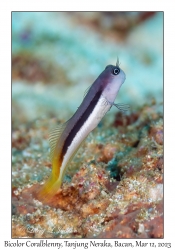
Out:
{"x": 116, "y": 71}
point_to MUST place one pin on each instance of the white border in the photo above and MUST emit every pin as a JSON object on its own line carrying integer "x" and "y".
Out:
{"x": 5, "y": 94}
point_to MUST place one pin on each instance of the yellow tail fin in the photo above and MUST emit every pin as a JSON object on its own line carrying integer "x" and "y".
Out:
{"x": 50, "y": 188}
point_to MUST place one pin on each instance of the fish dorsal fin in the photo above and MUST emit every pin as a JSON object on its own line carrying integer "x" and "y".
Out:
{"x": 54, "y": 136}
{"x": 86, "y": 91}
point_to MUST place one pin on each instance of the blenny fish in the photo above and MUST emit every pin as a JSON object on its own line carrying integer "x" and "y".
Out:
{"x": 66, "y": 139}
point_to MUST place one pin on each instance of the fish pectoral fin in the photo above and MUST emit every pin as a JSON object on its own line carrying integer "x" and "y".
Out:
{"x": 121, "y": 106}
